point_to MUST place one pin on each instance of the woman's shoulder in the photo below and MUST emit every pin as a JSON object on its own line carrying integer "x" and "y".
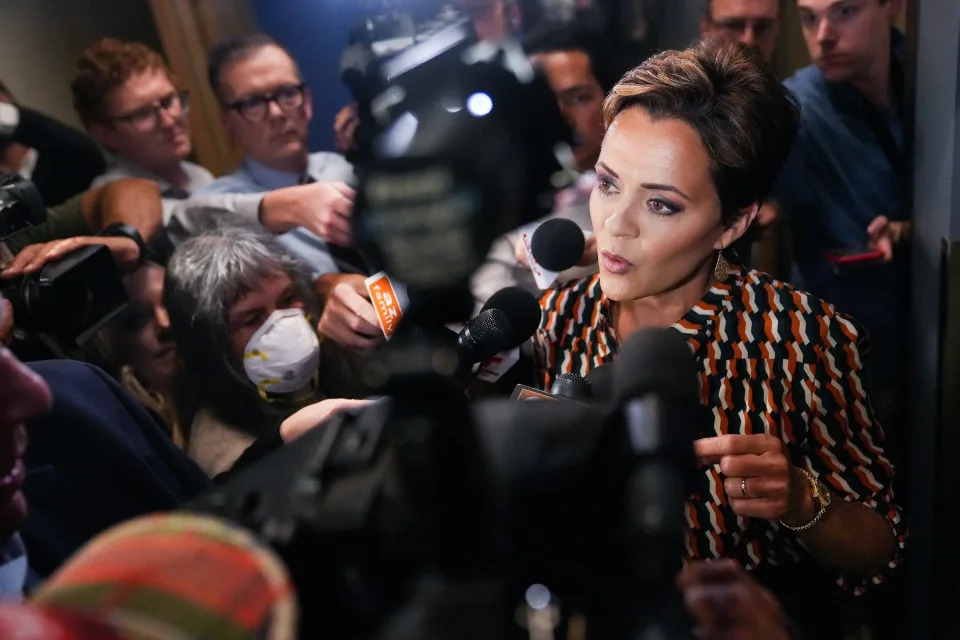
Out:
{"x": 791, "y": 314}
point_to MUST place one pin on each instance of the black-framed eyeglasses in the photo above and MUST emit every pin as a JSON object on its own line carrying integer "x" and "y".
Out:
{"x": 147, "y": 117}
{"x": 255, "y": 108}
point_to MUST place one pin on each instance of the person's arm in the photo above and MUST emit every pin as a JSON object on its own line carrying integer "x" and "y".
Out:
{"x": 68, "y": 159}
{"x": 132, "y": 201}
{"x": 862, "y": 532}
{"x": 324, "y": 208}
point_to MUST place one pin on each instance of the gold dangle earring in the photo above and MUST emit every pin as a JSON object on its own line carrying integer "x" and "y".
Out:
{"x": 721, "y": 270}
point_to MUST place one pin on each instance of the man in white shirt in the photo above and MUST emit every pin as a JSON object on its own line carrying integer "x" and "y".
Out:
{"x": 305, "y": 197}
{"x": 128, "y": 100}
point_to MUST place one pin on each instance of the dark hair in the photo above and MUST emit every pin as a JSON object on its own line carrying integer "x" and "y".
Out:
{"x": 745, "y": 118}
{"x": 554, "y": 37}
{"x": 5, "y": 90}
{"x": 105, "y": 66}
{"x": 227, "y": 52}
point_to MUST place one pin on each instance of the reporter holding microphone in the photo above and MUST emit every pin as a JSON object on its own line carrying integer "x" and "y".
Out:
{"x": 795, "y": 483}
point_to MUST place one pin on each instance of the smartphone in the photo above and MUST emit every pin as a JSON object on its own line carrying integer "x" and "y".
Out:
{"x": 854, "y": 256}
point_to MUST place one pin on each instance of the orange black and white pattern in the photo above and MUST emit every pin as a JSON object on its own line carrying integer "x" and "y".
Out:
{"x": 772, "y": 359}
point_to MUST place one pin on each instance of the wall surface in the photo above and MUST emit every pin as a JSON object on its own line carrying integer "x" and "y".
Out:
{"x": 41, "y": 39}
{"x": 933, "y": 569}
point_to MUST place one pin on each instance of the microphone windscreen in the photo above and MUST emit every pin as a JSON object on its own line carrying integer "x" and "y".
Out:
{"x": 601, "y": 382}
{"x": 657, "y": 361}
{"x": 485, "y": 335}
{"x": 558, "y": 244}
{"x": 572, "y": 386}
{"x": 521, "y": 309}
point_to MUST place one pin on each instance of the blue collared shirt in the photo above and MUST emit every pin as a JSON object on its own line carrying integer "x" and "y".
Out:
{"x": 253, "y": 177}
{"x": 837, "y": 181}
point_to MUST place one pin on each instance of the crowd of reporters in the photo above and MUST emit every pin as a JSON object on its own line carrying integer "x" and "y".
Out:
{"x": 249, "y": 311}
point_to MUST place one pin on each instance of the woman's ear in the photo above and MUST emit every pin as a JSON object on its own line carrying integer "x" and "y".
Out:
{"x": 733, "y": 233}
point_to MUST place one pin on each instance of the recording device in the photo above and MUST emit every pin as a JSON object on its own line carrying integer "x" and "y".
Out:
{"x": 567, "y": 386}
{"x": 467, "y": 149}
{"x": 558, "y": 244}
{"x": 70, "y": 299}
{"x": 424, "y": 516}
{"x": 456, "y": 521}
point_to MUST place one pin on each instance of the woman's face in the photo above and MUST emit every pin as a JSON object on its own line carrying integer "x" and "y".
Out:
{"x": 252, "y": 309}
{"x": 655, "y": 209}
{"x": 142, "y": 336}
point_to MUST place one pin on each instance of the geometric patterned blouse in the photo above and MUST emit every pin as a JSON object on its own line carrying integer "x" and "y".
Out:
{"x": 771, "y": 360}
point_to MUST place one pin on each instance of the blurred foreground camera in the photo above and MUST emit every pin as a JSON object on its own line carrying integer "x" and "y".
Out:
{"x": 70, "y": 299}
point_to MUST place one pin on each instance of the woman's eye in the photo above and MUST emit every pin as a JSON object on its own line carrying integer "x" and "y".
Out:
{"x": 662, "y": 207}
{"x": 605, "y": 186}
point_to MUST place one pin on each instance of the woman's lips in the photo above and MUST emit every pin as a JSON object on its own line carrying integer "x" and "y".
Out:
{"x": 612, "y": 263}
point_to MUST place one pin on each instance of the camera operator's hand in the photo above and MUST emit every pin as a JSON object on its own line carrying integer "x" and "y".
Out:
{"x": 727, "y": 603}
{"x": 6, "y": 321}
{"x": 312, "y": 415}
{"x": 321, "y": 207}
{"x": 32, "y": 258}
{"x": 345, "y": 127}
{"x": 348, "y": 318}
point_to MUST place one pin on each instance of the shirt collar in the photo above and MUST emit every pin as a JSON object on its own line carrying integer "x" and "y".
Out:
{"x": 697, "y": 323}
{"x": 271, "y": 178}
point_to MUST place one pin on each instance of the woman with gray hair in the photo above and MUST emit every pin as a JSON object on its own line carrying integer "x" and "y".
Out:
{"x": 242, "y": 313}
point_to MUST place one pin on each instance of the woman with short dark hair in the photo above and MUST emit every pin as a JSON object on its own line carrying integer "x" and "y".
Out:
{"x": 793, "y": 463}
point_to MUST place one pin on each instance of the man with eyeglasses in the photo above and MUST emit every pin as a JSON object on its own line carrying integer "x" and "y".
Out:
{"x": 303, "y": 196}
{"x": 755, "y": 23}
{"x": 846, "y": 188}
{"x": 127, "y": 98}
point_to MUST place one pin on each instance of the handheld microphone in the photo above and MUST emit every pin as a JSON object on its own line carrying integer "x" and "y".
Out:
{"x": 572, "y": 386}
{"x": 558, "y": 244}
{"x": 568, "y": 386}
{"x": 389, "y": 300}
{"x": 494, "y": 336}
{"x": 601, "y": 382}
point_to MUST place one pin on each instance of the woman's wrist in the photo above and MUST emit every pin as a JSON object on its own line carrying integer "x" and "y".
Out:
{"x": 803, "y": 506}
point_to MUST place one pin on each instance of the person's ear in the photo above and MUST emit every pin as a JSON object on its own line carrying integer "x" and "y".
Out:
{"x": 735, "y": 231}
{"x": 308, "y": 104}
{"x": 103, "y": 134}
{"x": 226, "y": 121}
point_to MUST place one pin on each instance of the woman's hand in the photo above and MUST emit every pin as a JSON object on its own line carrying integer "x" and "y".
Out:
{"x": 760, "y": 481}
{"x": 727, "y": 603}
{"x": 312, "y": 415}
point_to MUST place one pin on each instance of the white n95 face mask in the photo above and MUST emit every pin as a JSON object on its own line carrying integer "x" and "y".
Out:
{"x": 284, "y": 354}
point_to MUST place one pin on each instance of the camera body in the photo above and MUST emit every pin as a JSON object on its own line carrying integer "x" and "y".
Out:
{"x": 70, "y": 299}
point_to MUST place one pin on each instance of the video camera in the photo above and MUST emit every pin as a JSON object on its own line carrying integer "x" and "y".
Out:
{"x": 425, "y": 516}
{"x": 469, "y": 144}
{"x": 70, "y": 299}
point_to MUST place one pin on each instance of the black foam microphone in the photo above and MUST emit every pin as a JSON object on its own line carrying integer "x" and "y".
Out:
{"x": 657, "y": 361}
{"x": 601, "y": 383}
{"x": 572, "y": 386}
{"x": 507, "y": 320}
{"x": 558, "y": 244}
